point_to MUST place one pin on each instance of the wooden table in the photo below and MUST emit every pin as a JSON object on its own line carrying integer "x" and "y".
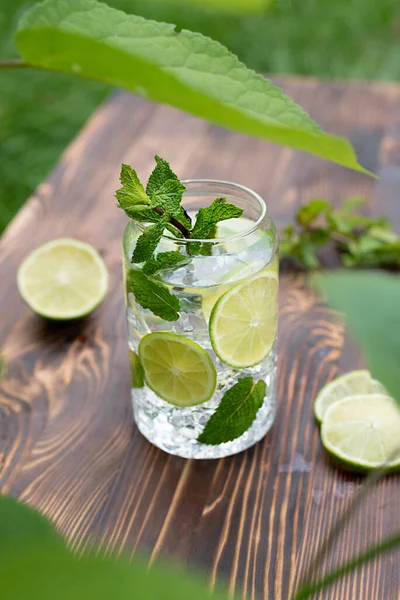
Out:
{"x": 67, "y": 442}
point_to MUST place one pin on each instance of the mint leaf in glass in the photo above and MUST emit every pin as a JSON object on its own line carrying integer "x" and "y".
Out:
{"x": 164, "y": 261}
{"x": 148, "y": 242}
{"x": 137, "y": 373}
{"x": 154, "y": 295}
{"x": 235, "y": 413}
{"x": 208, "y": 217}
{"x": 142, "y": 214}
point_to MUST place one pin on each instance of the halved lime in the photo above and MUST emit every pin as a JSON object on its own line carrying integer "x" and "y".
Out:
{"x": 350, "y": 384}
{"x": 63, "y": 279}
{"x": 243, "y": 322}
{"x": 177, "y": 369}
{"x": 363, "y": 431}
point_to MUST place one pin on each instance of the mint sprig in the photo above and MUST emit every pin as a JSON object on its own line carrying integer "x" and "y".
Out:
{"x": 163, "y": 202}
{"x": 235, "y": 413}
{"x": 159, "y": 206}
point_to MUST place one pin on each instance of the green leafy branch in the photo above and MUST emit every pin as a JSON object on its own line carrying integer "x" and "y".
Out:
{"x": 355, "y": 239}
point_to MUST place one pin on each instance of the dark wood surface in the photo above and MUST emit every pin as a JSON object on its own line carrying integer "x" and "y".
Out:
{"x": 67, "y": 442}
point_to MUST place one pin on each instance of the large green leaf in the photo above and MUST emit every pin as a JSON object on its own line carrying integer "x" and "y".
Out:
{"x": 22, "y": 530}
{"x": 43, "y": 568}
{"x": 229, "y": 6}
{"x": 371, "y": 303}
{"x": 184, "y": 69}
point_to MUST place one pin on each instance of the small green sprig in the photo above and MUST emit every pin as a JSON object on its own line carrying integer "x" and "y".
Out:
{"x": 356, "y": 240}
{"x": 159, "y": 207}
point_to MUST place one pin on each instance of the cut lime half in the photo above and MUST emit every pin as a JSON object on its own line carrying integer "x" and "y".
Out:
{"x": 63, "y": 279}
{"x": 177, "y": 369}
{"x": 243, "y": 322}
{"x": 361, "y": 432}
{"x": 350, "y": 384}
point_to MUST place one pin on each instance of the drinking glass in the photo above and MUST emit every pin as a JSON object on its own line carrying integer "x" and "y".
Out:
{"x": 243, "y": 253}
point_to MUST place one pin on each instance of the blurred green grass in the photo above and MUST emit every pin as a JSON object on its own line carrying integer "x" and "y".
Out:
{"x": 41, "y": 112}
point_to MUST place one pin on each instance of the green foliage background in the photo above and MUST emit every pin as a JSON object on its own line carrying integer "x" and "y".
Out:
{"x": 41, "y": 112}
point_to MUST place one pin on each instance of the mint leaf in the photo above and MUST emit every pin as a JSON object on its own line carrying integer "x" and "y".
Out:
{"x": 163, "y": 261}
{"x": 168, "y": 197}
{"x": 353, "y": 202}
{"x": 206, "y": 249}
{"x": 235, "y": 413}
{"x": 154, "y": 295}
{"x": 148, "y": 242}
{"x": 132, "y": 192}
{"x": 208, "y": 217}
{"x": 186, "y": 70}
{"x": 137, "y": 372}
{"x": 162, "y": 172}
{"x": 309, "y": 212}
{"x": 143, "y": 214}
{"x": 384, "y": 234}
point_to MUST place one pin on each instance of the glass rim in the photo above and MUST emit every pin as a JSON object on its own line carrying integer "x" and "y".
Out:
{"x": 222, "y": 240}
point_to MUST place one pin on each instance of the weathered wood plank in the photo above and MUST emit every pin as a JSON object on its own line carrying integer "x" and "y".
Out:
{"x": 67, "y": 443}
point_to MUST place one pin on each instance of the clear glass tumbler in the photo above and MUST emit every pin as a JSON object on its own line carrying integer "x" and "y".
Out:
{"x": 227, "y": 317}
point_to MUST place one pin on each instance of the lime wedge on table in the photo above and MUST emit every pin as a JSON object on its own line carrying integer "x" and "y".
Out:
{"x": 356, "y": 382}
{"x": 177, "y": 369}
{"x": 63, "y": 279}
{"x": 243, "y": 322}
{"x": 361, "y": 432}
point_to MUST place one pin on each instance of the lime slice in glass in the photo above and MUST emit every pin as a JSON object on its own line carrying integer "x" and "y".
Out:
{"x": 243, "y": 322}
{"x": 240, "y": 272}
{"x": 63, "y": 279}
{"x": 361, "y": 432}
{"x": 232, "y": 227}
{"x": 351, "y": 384}
{"x": 177, "y": 369}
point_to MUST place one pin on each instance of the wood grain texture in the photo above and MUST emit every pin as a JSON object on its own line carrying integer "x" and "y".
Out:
{"x": 67, "y": 442}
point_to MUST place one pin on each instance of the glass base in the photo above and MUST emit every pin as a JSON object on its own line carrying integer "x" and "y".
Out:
{"x": 175, "y": 430}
